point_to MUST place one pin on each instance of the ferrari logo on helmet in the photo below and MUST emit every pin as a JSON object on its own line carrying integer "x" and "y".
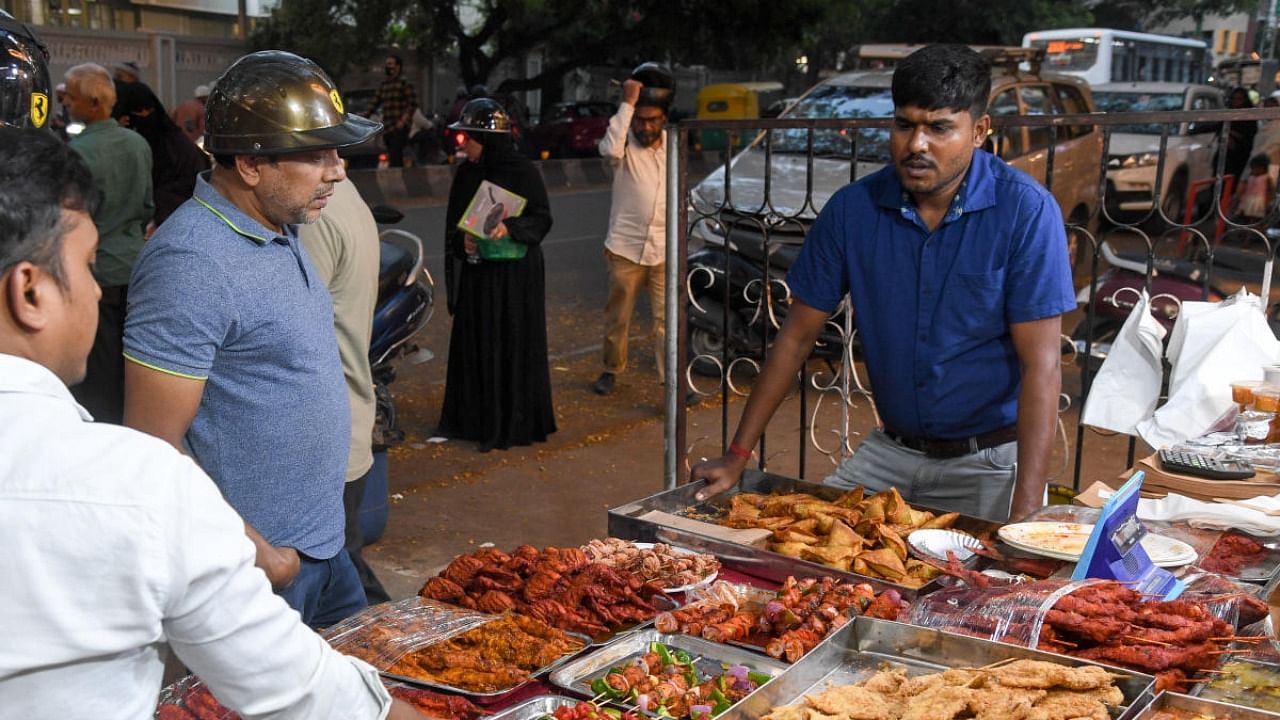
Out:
{"x": 39, "y": 109}
{"x": 337, "y": 100}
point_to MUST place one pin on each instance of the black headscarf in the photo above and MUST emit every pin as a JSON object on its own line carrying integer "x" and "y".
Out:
{"x": 175, "y": 160}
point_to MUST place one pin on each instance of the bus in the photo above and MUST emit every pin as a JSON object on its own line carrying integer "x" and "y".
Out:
{"x": 1102, "y": 56}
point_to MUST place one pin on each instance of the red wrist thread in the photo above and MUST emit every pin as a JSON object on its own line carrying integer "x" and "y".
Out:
{"x": 738, "y": 451}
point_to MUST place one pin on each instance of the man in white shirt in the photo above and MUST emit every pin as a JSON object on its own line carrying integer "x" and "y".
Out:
{"x": 635, "y": 248}
{"x": 114, "y": 543}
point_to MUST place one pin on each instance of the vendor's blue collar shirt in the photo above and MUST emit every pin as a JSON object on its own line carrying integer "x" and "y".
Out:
{"x": 933, "y": 309}
{"x": 216, "y": 296}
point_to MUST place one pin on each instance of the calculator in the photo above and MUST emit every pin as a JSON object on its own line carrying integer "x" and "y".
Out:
{"x": 1189, "y": 463}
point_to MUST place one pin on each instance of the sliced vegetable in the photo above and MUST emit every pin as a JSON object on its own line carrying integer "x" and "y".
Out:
{"x": 721, "y": 707}
{"x": 738, "y": 671}
{"x": 663, "y": 653}
{"x": 682, "y": 656}
{"x": 614, "y": 713}
{"x": 700, "y": 712}
{"x": 600, "y": 687}
{"x": 759, "y": 678}
{"x": 642, "y": 701}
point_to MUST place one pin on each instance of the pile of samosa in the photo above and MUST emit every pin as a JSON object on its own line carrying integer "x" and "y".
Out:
{"x": 863, "y": 535}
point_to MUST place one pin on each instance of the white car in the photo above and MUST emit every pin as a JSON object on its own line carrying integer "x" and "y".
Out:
{"x": 1134, "y": 153}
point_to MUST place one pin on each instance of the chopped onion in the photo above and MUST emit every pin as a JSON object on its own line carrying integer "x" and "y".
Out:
{"x": 738, "y": 671}
{"x": 640, "y": 663}
{"x": 773, "y": 609}
{"x": 742, "y": 685}
{"x": 698, "y": 710}
{"x": 695, "y": 691}
{"x": 642, "y": 702}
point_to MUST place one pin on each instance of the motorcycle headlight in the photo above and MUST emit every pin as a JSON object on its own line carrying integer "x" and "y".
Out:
{"x": 1134, "y": 160}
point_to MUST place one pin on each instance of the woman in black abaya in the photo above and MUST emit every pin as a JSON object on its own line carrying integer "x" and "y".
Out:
{"x": 498, "y": 391}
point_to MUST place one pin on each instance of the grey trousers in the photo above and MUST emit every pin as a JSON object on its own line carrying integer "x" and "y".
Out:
{"x": 980, "y": 485}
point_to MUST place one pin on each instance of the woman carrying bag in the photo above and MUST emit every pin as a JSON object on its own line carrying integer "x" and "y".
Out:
{"x": 498, "y": 391}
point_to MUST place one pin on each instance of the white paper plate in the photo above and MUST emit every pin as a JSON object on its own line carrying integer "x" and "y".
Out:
{"x": 681, "y": 551}
{"x": 1066, "y": 541}
{"x": 934, "y": 543}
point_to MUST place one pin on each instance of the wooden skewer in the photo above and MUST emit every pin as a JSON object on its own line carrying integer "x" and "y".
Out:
{"x": 1229, "y": 652}
{"x": 1242, "y": 638}
{"x": 997, "y": 664}
{"x": 1147, "y": 640}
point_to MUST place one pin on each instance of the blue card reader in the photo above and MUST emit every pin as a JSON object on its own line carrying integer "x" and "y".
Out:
{"x": 1115, "y": 552}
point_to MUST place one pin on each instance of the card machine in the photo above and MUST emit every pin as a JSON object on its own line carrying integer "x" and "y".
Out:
{"x": 1114, "y": 550}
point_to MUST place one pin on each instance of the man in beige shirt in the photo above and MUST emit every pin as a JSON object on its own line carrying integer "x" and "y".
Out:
{"x": 343, "y": 246}
{"x": 635, "y": 248}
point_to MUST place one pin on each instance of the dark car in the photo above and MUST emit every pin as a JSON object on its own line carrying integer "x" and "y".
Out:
{"x": 570, "y": 129}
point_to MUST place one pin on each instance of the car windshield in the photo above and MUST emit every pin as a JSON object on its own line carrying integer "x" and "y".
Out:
{"x": 839, "y": 101}
{"x": 1123, "y": 102}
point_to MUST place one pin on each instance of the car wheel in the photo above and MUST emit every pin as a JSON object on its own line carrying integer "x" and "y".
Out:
{"x": 703, "y": 345}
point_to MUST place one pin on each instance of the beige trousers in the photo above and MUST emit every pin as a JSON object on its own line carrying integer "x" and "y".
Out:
{"x": 625, "y": 281}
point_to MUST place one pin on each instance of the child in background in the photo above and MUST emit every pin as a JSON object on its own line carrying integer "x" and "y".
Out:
{"x": 1258, "y": 191}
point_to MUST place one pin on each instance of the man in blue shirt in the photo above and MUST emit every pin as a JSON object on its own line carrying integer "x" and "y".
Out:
{"x": 957, "y": 269}
{"x": 229, "y": 334}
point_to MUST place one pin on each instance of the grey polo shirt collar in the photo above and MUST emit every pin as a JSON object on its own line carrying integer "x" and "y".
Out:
{"x": 234, "y": 217}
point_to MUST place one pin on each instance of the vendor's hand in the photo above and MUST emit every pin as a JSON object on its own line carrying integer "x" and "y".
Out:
{"x": 499, "y": 232}
{"x": 631, "y": 91}
{"x": 720, "y": 474}
{"x": 283, "y": 567}
{"x": 470, "y": 246}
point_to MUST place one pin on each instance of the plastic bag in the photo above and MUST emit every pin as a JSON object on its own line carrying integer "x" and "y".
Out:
{"x": 1212, "y": 345}
{"x": 1012, "y": 614}
{"x": 1128, "y": 383}
{"x": 382, "y": 634}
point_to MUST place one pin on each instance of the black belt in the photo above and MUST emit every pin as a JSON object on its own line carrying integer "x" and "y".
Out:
{"x": 943, "y": 449}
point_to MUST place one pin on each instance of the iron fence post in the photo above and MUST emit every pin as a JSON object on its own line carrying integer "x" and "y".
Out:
{"x": 674, "y": 368}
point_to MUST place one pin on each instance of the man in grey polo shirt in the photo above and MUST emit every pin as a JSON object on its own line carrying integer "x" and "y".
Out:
{"x": 229, "y": 334}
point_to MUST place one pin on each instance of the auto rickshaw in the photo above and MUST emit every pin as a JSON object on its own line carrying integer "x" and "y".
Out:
{"x": 733, "y": 101}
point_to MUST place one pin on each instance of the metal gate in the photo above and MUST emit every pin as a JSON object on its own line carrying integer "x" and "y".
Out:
{"x": 830, "y": 386}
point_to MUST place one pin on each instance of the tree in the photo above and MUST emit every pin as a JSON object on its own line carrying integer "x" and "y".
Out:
{"x": 994, "y": 22}
{"x": 1139, "y": 15}
{"x": 337, "y": 34}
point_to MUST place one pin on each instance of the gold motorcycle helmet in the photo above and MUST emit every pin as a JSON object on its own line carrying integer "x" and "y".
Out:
{"x": 274, "y": 102}
{"x": 24, "y": 76}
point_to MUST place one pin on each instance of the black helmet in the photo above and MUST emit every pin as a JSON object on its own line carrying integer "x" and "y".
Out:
{"x": 659, "y": 86}
{"x": 24, "y": 75}
{"x": 483, "y": 115}
{"x": 271, "y": 102}
{"x": 478, "y": 91}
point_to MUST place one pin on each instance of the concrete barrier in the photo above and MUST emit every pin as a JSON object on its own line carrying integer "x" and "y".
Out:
{"x": 430, "y": 184}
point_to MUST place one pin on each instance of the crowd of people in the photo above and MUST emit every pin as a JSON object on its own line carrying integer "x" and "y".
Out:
{"x": 194, "y": 336}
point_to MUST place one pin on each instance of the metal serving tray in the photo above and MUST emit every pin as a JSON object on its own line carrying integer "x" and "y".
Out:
{"x": 626, "y": 521}
{"x": 576, "y": 676}
{"x": 1211, "y": 708}
{"x": 534, "y": 708}
{"x": 858, "y": 650}
{"x": 488, "y": 698}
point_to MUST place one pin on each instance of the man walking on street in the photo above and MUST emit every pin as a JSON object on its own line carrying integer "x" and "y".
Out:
{"x": 120, "y": 161}
{"x": 635, "y": 248}
{"x": 397, "y": 99}
{"x": 230, "y": 339}
{"x": 956, "y": 266}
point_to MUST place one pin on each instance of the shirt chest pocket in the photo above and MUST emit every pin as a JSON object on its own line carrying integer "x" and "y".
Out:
{"x": 974, "y": 303}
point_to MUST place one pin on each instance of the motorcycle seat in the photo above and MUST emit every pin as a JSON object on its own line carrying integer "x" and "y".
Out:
{"x": 393, "y": 269}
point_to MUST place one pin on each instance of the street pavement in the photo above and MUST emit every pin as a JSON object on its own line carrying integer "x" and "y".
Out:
{"x": 447, "y": 498}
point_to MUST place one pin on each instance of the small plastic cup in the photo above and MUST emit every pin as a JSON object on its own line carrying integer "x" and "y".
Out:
{"x": 1266, "y": 398}
{"x": 1242, "y": 391}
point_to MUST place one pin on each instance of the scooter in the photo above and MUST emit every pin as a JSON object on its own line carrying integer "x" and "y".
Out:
{"x": 1173, "y": 281}
{"x": 405, "y": 304}
{"x": 717, "y": 336}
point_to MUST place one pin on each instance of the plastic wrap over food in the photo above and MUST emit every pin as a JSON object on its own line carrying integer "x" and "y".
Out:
{"x": 190, "y": 699}
{"x": 382, "y": 634}
{"x": 723, "y": 591}
{"x": 1011, "y": 614}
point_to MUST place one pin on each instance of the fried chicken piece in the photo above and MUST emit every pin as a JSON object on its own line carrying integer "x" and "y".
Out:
{"x": 1001, "y": 703}
{"x": 887, "y": 682}
{"x": 1045, "y": 675}
{"x": 853, "y": 702}
{"x": 943, "y": 702}
{"x": 1068, "y": 705}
